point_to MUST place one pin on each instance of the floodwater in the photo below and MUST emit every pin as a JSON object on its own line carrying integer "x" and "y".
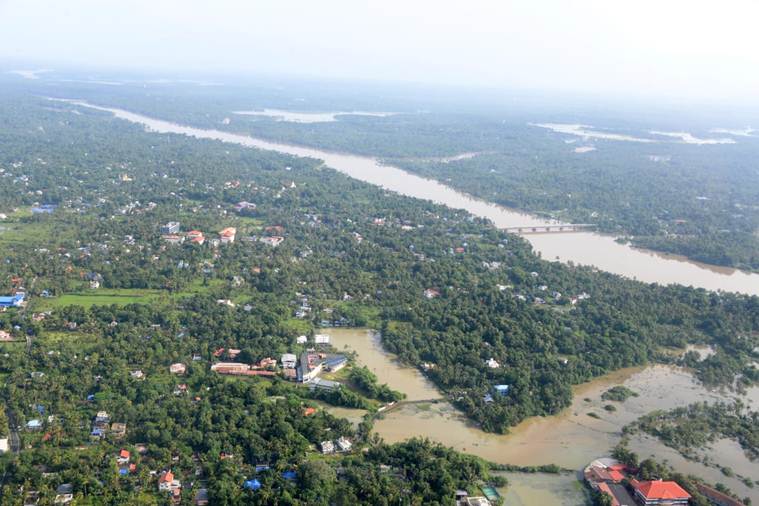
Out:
{"x": 585, "y": 248}
{"x": 570, "y": 439}
{"x": 529, "y": 489}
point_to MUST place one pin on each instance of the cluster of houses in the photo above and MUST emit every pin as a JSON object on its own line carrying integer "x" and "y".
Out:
{"x": 305, "y": 368}
{"x": 613, "y": 479}
{"x": 123, "y": 462}
{"x": 170, "y": 485}
{"x": 102, "y": 426}
{"x": 341, "y": 445}
{"x": 171, "y": 234}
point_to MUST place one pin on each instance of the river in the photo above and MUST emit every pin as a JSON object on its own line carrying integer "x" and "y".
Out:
{"x": 570, "y": 439}
{"x": 584, "y": 248}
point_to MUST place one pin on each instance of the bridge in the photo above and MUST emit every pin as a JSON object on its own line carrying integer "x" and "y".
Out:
{"x": 559, "y": 228}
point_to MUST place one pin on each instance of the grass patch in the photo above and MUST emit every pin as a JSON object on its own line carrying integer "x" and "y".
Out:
{"x": 120, "y": 297}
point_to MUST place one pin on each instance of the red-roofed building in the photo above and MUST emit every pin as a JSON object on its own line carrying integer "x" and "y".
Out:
{"x": 660, "y": 493}
{"x": 227, "y": 235}
{"x": 196, "y": 237}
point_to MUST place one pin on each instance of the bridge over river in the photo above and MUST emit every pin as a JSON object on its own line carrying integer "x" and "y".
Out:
{"x": 559, "y": 228}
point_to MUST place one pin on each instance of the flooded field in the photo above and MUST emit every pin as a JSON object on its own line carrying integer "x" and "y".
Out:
{"x": 529, "y": 489}
{"x": 570, "y": 439}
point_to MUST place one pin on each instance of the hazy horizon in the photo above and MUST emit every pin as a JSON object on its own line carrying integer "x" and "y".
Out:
{"x": 646, "y": 50}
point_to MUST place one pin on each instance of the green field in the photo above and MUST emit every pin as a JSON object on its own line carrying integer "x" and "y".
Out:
{"x": 121, "y": 297}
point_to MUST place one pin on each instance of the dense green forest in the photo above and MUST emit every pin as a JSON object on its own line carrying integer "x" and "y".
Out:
{"x": 694, "y": 200}
{"x": 361, "y": 256}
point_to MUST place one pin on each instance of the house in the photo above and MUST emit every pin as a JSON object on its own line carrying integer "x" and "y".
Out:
{"x": 230, "y": 368}
{"x": 171, "y": 227}
{"x": 658, "y": 492}
{"x": 492, "y": 363}
{"x": 4, "y": 445}
{"x": 267, "y": 363}
{"x": 201, "y": 498}
{"x": 272, "y": 241}
{"x": 34, "y": 424}
{"x": 5, "y": 336}
{"x": 123, "y": 457}
{"x": 335, "y": 363}
{"x": 306, "y": 412}
{"x": 118, "y": 430}
{"x": 196, "y": 237}
{"x": 44, "y": 209}
{"x": 606, "y": 476}
{"x": 321, "y": 339}
{"x": 138, "y": 374}
{"x": 31, "y": 498}
{"x": 301, "y": 339}
{"x": 289, "y": 360}
{"x": 173, "y": 238}
{"x": 431, "y": 293}
{"x": 64, "y": 494}
{"x": 477, "y": 501}
{"x": 327, "y": 447}
{"x": 322, "y": 384}
{"x": 253, "y": 484}
{"x": 177, "y": 368}
{"x": 12, "y": 300}
{"x": 102, "y": 419}
{"x": 167, "y": 482}
{"x": 233, "y": 352}
{"x": 94, "y": 285}
{"x": 243, "y": 206}
{"x": 344, "y": 444}
{"x": 501, "y": 390}
{"x": 227, "y": 236}
{"x": 310, "y": 367}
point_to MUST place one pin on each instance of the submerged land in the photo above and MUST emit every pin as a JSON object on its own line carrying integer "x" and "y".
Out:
{"x": 128, "y": 316}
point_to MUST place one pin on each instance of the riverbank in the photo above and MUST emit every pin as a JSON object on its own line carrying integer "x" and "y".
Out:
{"x": 582, "y": 248}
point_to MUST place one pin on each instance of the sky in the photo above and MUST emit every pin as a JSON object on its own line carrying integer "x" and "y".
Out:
{"x": 637, "y": 48}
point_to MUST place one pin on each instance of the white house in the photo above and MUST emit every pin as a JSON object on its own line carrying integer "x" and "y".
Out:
{"x": 289, "y": 360}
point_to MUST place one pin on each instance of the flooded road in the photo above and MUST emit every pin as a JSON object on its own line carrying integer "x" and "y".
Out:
{"x": 584, "y": 248}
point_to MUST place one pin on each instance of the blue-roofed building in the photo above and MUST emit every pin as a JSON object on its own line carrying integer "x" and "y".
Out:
{"x": 253, "y": 484}
{"x": 44, "y": 209}
{"x": 123, "y": 471}
{"x": 289, "y": 475}
{"x": 12, "y": 300}
{"x": 261, "y": 468}
{"x": 91, "y": 397}
{"x": 335, "y": 363}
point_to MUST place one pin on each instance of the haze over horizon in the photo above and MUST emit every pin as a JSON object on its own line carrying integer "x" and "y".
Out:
{"x": 674, "y": 50}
